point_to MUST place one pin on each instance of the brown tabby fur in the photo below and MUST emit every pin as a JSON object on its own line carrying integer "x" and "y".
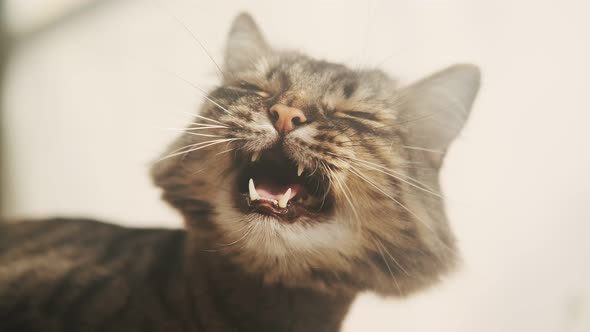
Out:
{"x": 376, "y": 146}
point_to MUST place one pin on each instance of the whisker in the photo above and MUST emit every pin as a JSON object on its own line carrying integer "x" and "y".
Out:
{"x": 345, "y": 144}
{"x": 194, "y": 36}
{"x": 205, "y": 144}
{"x": 204, "y": 94}
{"x": 345, "y": 192}
{"x": 201, "y": 124}
{"x": 189, "y": 132}
{"x": 389, "y": 172}
{"x": 355, "y": 171}
{"x": 206, "y": 118}
{"x": 424, "y": 188}
{"x": 393, "y": 259}
{"x": 426, "y": 116}
{"x": 202, "y": 127}
{"x": 246, "y": 233}
{"x": 192, "y": 145}
{"x": 187, "y": 129}
{"x": 390, "y": 272}
{"x": 324, "y": 178}
{"x": 224, "y": 151}
{"x": 422, "y": 149}
{"x": 217, "y": 155}
{"x": 204, "y": 135}
{"x": 208, "y": 143}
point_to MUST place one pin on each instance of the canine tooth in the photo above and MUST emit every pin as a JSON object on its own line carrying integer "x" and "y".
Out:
{"x": 285, "y": 199}
{"x": 299, "y": 169}
{"x": 253, "y": 194}
{"x": 255, "y": 156}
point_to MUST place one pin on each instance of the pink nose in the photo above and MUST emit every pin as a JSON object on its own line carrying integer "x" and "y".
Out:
{"x": 286, "y": 118}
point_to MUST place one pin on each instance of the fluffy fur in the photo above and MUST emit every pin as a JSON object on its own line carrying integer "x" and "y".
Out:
{"x": 379, "y": 146}
{"x": 373, "y": 148}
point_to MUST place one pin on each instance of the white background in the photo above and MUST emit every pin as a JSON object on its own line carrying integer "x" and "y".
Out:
{"x": 86, "y": 104}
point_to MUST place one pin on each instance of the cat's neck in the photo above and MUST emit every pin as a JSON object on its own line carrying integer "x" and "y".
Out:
{"x": 227, "y": 299}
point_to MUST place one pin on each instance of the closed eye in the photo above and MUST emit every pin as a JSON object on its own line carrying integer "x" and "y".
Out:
{"x": 356, "y": 114}
{"x": 253, "y": 88}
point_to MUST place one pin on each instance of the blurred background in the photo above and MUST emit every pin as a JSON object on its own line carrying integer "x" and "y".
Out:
{"x": 89, "y": 87}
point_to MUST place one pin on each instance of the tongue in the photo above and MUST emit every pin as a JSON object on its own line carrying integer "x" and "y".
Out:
{"x": 276, "y": 191}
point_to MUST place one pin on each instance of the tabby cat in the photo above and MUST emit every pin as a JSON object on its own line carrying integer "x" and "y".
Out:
{"x": 302, "y": 182}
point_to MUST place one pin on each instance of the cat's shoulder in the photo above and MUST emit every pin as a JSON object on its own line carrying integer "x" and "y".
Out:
{"x": 62, "y": 272}
{"x": 77, "y": 236}
{"x": 30, "y": 227}
{"x": 15, "y": 233}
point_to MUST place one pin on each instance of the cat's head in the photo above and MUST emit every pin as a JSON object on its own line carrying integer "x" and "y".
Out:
{"x": 311, "y": 174}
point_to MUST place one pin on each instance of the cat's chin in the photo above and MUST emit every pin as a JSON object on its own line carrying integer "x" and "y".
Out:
{"x": 272, "y": 184}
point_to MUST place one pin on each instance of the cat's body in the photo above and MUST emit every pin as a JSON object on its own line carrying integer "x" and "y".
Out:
{"x": 302, "y": 183}
{"x": 83, "y": 275}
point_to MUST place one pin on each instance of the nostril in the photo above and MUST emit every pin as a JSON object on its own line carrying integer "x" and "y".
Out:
{"x": 274, "y": 115}
{"x": 297, "y": 121}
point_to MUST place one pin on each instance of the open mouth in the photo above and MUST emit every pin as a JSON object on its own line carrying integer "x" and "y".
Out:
{"x": 274, "y": 185}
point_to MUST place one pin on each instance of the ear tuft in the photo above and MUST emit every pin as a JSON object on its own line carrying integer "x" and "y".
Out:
{"x": 441, "y": 104}
{"x": 245, "y": 44}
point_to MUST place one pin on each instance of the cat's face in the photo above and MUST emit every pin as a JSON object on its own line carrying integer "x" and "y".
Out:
{"x": 314, "y": 175}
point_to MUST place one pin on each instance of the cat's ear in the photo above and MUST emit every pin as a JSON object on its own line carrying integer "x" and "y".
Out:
{"x": 436, "y": 108}
{"x": 245, "y": 44}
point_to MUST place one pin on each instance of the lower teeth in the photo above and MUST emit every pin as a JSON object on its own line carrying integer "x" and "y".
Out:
{"x": 254, "y": 196}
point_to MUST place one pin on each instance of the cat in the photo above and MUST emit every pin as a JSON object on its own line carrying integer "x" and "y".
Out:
{"x": 301, "y": 183}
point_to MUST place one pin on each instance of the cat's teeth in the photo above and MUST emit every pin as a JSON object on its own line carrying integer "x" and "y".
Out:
{"x": 300, "y": 170}
{"x": 255, "y": 156}
{"x": 253, "y": 194}
{"x": 285, "y": 199}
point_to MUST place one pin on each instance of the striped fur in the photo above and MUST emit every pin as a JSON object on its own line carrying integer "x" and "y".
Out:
{"x": 82, "y": 275}
{"x": 378, "y": 149}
